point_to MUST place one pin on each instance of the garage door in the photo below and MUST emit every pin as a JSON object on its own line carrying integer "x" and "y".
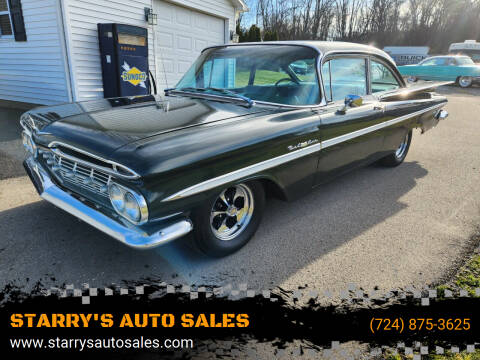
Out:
{"x": 180, "y": 36}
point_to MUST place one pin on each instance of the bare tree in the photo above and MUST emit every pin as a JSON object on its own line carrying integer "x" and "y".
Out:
{"x": 385, "y": 22}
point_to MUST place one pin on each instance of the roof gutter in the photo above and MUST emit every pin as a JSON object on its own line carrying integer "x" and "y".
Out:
{"x": 240, "y": 5}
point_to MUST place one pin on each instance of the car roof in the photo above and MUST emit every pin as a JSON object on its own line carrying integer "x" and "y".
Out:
{"x": 324, "y": 47}
{"x": 447, "y": 56}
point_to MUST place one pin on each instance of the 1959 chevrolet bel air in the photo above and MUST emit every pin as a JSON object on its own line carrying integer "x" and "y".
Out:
{"x": 246, "y": 120}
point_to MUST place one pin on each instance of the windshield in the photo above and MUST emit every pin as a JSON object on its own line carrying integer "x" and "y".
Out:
{"x": 280, "y": 74}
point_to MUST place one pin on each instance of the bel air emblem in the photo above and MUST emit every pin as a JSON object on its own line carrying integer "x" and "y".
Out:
{"x": 302, "y": 144}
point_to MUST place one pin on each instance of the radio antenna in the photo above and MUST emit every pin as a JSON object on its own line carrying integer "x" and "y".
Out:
{"x": 161, "y": 59}
{"x": 164, "y": 72}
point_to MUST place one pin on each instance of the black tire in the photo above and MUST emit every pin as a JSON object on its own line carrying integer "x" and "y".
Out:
{"x": 397, "y": 157}
{"x": 208, "y": 237}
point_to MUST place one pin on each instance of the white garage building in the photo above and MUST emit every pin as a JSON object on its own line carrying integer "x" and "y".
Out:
{"x": 49, "y": 50}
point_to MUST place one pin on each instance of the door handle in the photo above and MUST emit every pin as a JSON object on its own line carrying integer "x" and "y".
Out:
{"x": 379, "y": 108}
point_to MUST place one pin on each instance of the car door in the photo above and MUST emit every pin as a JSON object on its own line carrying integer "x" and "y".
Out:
{"x": 348, "y": 138}
{"x": 433, "y": 69}
{"x": 451, "y": 70}
{"x": 443, "y": 70}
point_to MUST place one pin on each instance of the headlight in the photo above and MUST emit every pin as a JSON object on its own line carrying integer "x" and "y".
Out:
{"x": 28, "y": 143}
{"x": 132, "y": 209}
{"x": 129, "y": 204}
{"x": 116, "y": 197}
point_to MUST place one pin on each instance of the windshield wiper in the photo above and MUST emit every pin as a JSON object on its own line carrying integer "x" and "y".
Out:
{"x": 226, "y": 92}
{"x": 233, "y": 94}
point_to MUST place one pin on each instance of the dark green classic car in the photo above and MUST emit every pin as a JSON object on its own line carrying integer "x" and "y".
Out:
{"x": 243, "y": 123}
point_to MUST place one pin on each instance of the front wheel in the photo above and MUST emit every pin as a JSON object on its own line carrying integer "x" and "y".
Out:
{"x": 229, "y": 220}
{"x": 400, "y": 154}
{"x": 465, "y": 81}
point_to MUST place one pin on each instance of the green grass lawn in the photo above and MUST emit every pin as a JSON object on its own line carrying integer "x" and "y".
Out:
{"x": 468, "y": 277}
{"x": 262, "y": 77}
{"x": 265, "y": 77}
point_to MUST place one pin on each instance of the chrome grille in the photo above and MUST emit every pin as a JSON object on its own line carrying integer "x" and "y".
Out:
{"x": 78, "y": 173}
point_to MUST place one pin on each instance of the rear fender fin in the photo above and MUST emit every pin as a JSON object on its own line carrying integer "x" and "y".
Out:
{"x": 414, "y": 91}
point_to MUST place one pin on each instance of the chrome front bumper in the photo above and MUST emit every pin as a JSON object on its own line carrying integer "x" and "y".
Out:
{"x": 131, "y": 236}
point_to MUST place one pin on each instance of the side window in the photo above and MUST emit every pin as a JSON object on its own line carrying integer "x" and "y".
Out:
{"x": 428, "y": 62}
{"x": 451, "y": 62}
{"x": 434, "y": 62}
{"x": 382, "y": 78}
{"x": 344, "y": 76}
{"x": 441, "y": 62}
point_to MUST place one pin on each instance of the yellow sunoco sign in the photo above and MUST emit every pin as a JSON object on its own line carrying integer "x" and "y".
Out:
{"x": 134, "y": 76}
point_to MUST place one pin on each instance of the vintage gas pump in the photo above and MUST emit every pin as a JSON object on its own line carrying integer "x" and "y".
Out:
{"x": 124, "y": 54}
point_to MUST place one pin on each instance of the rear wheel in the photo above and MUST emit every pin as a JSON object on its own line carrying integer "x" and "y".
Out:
{"x": 411, "y": 79}
{"x": 229, "y": 220}
{"x": 400, "y": 154}
{"x": 465, "y": 81}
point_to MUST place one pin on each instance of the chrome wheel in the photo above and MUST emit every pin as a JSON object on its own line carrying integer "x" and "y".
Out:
{"x": 231, "y": 212}
{"x": 465, "y": 81}
{"x": 411, "y": 79}
{"x": 402, "y": 148}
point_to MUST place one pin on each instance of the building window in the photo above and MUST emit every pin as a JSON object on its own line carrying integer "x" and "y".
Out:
{"x": 5, "y": 23}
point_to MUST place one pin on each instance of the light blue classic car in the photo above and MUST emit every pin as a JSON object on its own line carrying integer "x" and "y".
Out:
{"x": 460, "y": 69}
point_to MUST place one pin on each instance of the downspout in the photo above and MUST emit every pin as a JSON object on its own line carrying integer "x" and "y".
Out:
{"x": 66, "y": 52}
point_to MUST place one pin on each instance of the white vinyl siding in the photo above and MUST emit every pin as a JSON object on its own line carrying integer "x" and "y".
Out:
{"x": 60, "y": 61}
{"x": 34, "y": 71}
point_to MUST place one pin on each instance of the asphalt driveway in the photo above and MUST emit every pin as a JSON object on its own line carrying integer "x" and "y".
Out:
{"x": 373, "y": 227}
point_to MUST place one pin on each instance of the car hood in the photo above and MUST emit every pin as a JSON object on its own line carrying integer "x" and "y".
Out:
{"x": 105, "y": 125}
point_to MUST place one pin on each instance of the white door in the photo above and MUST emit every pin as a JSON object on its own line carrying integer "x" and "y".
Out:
{"x": 180, "y": 35}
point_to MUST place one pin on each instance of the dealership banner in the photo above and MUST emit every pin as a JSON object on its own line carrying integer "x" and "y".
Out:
{"x": 164, "y": 320}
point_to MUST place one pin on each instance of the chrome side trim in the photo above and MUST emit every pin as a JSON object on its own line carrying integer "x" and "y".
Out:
{"x": 112, "y": 172}
{"x": 353, "y": 135}
{"x": 131, "y": 236}
{"x": 247, "y": 171}
{"x": 282, "y": 159}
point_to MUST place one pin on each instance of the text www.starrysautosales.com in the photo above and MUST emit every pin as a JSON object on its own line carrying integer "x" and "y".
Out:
{"x": 100, "y": 343}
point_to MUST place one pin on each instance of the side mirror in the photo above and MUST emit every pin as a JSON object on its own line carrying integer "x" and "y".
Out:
{"x": 351, "y": 101}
